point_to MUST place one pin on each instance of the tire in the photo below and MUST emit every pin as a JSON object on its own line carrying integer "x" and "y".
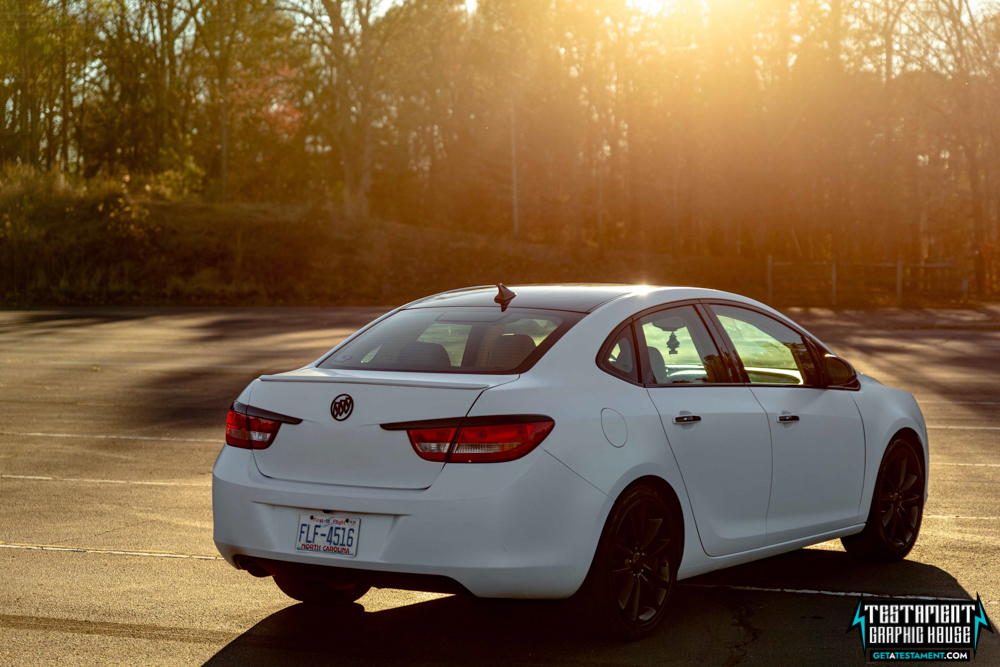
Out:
{"x": 897, "y": 507}
{"x": 626, "y": 590}
{"x": 316, "y": 592}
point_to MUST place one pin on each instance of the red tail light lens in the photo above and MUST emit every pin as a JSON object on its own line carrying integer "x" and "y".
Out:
{"x": 250, "y": 432}
{"x": 499, "y": 442}
{"x": 487, "y": 443}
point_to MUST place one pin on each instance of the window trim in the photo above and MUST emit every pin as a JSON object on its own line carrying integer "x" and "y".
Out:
{"x": 810, "y": 343}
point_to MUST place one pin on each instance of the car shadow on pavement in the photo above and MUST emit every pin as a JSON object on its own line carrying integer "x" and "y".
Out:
{"x": 462, "y": 630}
{"x": 717, "y": 619}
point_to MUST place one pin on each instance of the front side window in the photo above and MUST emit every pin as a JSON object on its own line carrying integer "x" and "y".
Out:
{"x": 679, "y": 349}
{"x": 454, "y": 340}
{"x": 771, "y": 352}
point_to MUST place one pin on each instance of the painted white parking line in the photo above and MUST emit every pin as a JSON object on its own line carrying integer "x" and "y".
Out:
{"x": 958, "y": 402}
{"x": 839, "y": 594}
{"x": 957, "y": 516}
{"x": 967, "y": 465}
{"x": 48, "y": 478}
{"x": 110, "y": 437}
{"x": 115, "y": 552}
{"x": 126, "y": 364}
{"x": 964, "y": 428}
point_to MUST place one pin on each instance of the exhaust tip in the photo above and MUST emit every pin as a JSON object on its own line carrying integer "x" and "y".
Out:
{"x": 252, "y": 566}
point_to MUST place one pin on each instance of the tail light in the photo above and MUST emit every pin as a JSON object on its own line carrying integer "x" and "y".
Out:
{"x": 250, "y": 432}
{"x": 249, "y": 428}
{"x": 432, "y": 443}
{"x": 479, "y": 442}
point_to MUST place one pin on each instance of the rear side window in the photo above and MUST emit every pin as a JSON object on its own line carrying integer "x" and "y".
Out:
{"x": 618, "y": 356}
{"x": 455, "y": 340}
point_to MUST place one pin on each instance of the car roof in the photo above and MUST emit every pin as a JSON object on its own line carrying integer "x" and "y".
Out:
{"x": 588, "y": 297}
{"x": 581, "y": 298}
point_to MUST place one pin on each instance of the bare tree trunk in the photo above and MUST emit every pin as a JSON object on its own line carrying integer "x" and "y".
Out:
{"x": 65, "y": 115}
{"x": 225, "y": 133}
{"x": 49, "y": 125}
{"x": 23, "y": 98}
{"x": 224, "y": 158}
{"x": 836, "y": 215}
{"x": 978, "y": 214}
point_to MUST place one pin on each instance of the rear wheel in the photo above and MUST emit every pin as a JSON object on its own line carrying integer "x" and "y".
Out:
{"x": 316, "y": 592}
{"x": 897, "y": 508}
{"x": 634, "y": 569}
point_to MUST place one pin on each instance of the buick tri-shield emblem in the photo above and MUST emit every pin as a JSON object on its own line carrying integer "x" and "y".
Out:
{"x": 342, "y": 407}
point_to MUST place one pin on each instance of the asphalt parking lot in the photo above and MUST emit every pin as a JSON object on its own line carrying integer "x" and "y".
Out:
{"x": 111, "y": 420}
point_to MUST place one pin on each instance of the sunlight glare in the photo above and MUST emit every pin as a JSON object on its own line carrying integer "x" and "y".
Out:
{"x": 648, "y": 6}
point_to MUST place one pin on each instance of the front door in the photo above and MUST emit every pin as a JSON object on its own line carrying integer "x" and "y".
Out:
{"x": 817, "y": 436}
{"x": 717, "y": 430}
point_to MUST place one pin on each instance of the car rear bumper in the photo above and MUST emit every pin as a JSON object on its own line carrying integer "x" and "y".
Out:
{"x": 524, "y": 529}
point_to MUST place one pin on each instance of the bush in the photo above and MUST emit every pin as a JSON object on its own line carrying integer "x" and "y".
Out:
{"x": 95, "y": 243}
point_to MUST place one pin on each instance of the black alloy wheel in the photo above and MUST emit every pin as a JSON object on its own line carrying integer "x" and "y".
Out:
{"x": 900, "y": 500}
{"x": 897, "y": 507}
{"x": 635, "y": 566}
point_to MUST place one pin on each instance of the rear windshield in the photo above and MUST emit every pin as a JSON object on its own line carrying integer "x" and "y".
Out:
{"x": 455, "y": 340}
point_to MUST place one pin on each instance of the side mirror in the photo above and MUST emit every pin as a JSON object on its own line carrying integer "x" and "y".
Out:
{"x": 841, "y": 373}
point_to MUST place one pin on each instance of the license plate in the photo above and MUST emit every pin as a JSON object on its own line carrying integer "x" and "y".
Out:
{"x": 328, "y": 534}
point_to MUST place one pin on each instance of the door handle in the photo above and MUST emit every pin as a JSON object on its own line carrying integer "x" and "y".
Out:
{"x": 687, "y": 419}
{"x": 785, "y": 419}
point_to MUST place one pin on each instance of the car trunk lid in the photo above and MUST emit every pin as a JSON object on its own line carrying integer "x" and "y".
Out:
{"x": 347, "y": 445}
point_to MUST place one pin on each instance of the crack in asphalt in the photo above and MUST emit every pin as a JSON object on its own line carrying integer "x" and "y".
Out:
{"x": 742, "y": 613}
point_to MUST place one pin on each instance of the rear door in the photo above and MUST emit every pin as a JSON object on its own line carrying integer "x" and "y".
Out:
{"x": 816, "y": 433}
{"x": 346, "y": 444}
{"x": 716, "y": 429}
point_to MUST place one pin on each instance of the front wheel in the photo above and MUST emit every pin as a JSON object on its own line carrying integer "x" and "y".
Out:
{"x": 319, "y": 592}
{"x": 634, "y": 569}
{"x": 897, "y": 508}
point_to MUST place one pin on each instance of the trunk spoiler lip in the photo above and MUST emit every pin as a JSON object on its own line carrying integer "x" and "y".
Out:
{"x": 318, "y": 375}
{"x": 456, "y": 422}
{"x": 251, "y": 411}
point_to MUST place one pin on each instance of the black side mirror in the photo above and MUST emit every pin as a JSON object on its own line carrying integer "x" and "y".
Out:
{"x": 841, "y": 373}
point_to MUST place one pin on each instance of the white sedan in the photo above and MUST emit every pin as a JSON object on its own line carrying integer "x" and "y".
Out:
{"x": 593, "y": 441}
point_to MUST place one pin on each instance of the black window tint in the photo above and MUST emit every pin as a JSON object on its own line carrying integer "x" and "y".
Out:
{"x": 771, "y": 352}
{"x": 679, "y": 349}
{"x": 619, "y": 356}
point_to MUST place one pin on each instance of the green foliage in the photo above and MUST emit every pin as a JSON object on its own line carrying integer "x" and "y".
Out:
{"x": 58, "y": 237}
{"x": 177, "y": 184}
{"x": 97, "y": 243}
